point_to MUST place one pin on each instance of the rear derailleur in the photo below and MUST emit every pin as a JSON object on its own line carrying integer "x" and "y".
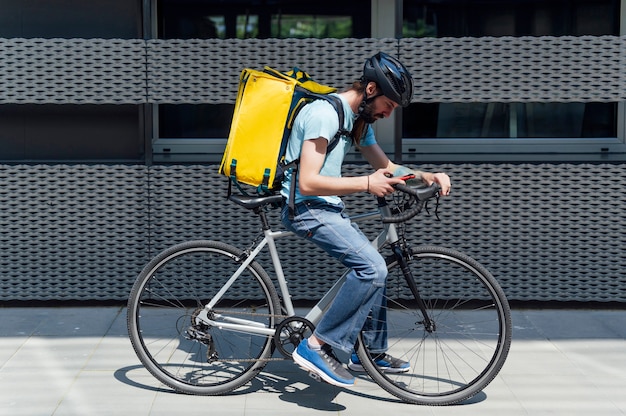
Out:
{"x": 199, "y": 332}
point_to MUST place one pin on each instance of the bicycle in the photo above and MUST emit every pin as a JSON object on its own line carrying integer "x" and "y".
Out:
{"x": 205, "y": 318}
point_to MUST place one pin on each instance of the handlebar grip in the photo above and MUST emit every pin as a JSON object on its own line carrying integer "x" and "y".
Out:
{"x": 421, "y": 194}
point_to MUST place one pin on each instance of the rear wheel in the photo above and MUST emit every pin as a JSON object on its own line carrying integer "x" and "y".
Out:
{"x": 465, "y": 345}
{"x": 165, "y": 325}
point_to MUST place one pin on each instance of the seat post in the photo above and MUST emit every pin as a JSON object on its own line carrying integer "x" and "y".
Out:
{"x": 260, "y": 211}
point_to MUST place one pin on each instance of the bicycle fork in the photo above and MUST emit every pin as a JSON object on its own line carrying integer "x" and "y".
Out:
{"x": 398, "y": 252}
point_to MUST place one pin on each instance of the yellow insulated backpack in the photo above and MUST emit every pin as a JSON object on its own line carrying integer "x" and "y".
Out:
{"x": 267, "y": 103}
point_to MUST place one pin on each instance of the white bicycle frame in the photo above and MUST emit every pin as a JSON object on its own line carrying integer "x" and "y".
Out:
{"x": 387, "y": 235}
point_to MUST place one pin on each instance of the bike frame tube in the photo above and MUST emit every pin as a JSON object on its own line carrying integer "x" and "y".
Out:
{"x": 235, "y": 275}
{"x": 271, "y": 237}
{"x": 246, "y": 325}
{"x": 387, "y": 235}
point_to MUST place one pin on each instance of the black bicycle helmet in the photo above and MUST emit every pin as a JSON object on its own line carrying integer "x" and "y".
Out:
{"x": 391, "y": 76}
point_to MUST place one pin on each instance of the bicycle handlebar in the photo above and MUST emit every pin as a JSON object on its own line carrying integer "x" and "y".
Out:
{"x": 421, "y": 195}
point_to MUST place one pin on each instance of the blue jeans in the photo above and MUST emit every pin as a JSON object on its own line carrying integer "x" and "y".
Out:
{"x": 358, "y": 304}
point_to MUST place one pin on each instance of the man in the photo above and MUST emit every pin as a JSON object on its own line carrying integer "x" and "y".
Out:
{"x": 317, "y": 214}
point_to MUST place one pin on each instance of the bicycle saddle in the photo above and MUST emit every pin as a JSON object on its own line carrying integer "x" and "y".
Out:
{"x": 251, "y": 202}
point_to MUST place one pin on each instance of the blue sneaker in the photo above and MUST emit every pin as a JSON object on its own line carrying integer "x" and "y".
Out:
{"x": 322, "y": 363}
{"x": 384, "y": 361}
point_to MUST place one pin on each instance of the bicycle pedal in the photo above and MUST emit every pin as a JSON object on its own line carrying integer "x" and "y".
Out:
{"x": 311, "y": 374}
{"x": 315, "y": 377}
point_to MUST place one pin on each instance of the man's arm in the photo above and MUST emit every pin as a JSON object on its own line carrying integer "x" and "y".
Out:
{"x": 309, "y": 178}
{"x": 312, "y": 183}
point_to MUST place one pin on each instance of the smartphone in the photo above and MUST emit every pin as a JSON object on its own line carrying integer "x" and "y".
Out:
{"x": 407, "y": 177}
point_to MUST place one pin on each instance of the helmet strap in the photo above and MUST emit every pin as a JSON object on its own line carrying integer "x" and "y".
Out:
{"x": 365, "y": 101}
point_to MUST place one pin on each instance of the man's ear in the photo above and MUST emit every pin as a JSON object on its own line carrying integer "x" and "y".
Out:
{"x": 371, "y": 89}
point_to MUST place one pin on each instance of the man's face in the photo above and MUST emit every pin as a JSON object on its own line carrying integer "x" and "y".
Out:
{"x": 379, "y": 107}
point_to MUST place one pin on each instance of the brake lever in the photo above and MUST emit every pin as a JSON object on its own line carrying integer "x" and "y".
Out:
{"x": 436, "y": 207}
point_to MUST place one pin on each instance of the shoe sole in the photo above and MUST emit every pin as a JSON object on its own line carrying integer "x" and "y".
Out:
{"x": 359, "y": 368}
{"x": 316, "y": 372}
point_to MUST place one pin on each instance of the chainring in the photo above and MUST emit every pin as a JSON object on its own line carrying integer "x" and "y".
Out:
{"x": 290, "y": 332}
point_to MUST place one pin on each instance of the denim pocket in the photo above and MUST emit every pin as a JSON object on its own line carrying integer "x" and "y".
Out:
{"x": 309, "y": 215}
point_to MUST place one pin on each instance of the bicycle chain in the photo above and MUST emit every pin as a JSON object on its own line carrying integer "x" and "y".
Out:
{"x": 250, "y": 360}
{"x": 253, "y": 360}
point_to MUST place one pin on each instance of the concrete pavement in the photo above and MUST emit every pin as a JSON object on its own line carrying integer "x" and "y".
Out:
{"x": 67, "y": 361}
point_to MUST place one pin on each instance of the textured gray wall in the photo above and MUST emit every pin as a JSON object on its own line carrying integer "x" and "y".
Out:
{"x": 83, "y": 232}
{"x": 133, "y": 71}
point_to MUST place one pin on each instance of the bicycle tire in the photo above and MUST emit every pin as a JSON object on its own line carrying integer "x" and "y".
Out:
{"x": 472, "y": 334}
{"x": 174, "y": 286}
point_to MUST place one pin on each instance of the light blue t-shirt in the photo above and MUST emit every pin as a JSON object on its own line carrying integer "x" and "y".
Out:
{"x": 319, "y": 119}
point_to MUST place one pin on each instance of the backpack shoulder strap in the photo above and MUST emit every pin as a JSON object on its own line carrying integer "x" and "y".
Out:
{"x": 338, "y": 106}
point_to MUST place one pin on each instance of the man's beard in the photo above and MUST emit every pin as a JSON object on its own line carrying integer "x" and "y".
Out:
{"x": 367, "y": 114}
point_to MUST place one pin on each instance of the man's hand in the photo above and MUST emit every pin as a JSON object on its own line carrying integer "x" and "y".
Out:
{"x": 380, "y": 183}
{"x": 440, "y": 178}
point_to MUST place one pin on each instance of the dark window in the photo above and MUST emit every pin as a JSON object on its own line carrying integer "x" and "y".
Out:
{"x": 476, "y": 18}
{"x": 195, "y": 120}
{"x": 69, "y": 132}
{"x": 202, "y": 19}
{"x": 70, "y": 19}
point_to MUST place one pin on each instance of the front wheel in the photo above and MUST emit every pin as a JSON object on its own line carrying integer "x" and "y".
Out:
{"x": 460, "y": 348}
{"x": 173, "y": 340}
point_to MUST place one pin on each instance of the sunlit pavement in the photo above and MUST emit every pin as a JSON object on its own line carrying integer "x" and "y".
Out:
{"x": 78, "y": 361}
